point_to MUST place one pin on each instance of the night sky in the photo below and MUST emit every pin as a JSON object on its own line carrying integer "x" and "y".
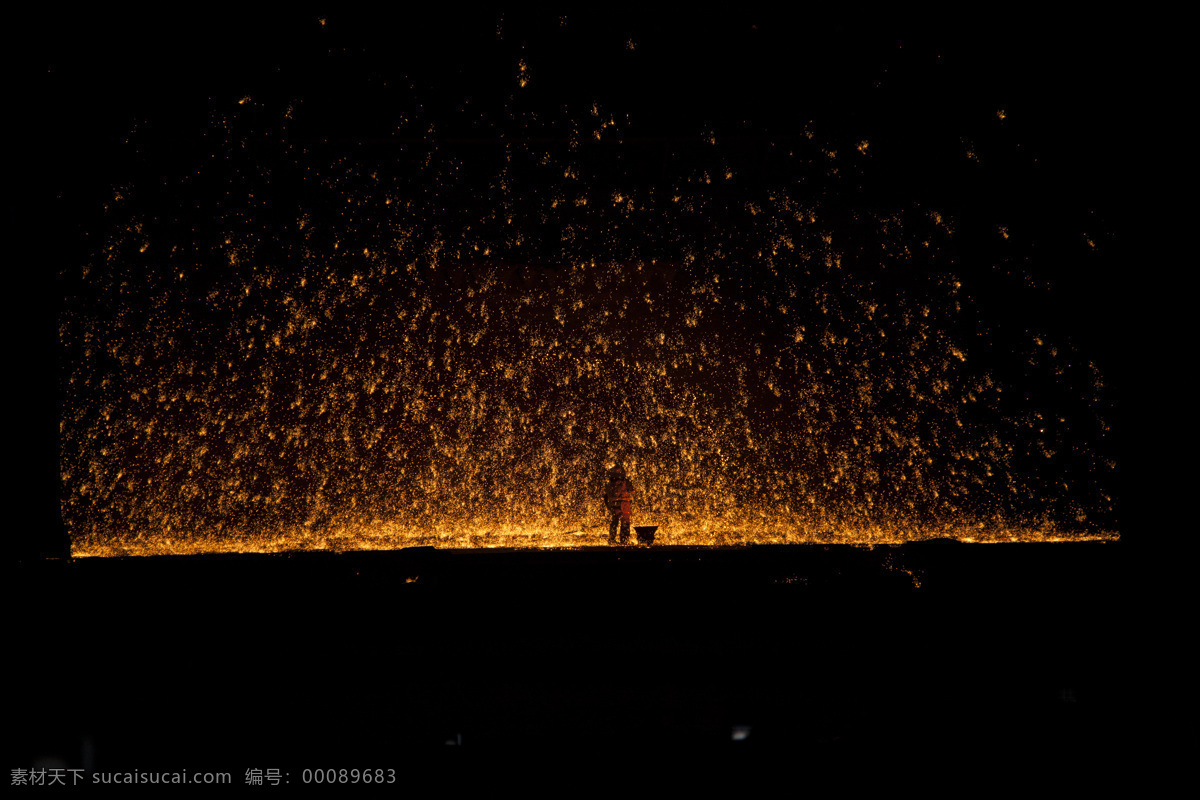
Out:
{"x": 1032, "y": 127}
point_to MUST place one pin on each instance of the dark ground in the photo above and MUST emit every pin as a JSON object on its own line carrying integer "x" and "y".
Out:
{"x": 377, "y": 659}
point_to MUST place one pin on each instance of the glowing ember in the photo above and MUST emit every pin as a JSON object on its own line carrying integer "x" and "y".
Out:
{"x": 292, "y": 345}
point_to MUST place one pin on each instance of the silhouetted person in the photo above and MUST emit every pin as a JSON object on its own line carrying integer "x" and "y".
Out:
{"x": 618, "y": 499}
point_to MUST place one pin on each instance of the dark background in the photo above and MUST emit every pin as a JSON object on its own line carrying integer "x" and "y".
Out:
{"x": 1072, "y": 160}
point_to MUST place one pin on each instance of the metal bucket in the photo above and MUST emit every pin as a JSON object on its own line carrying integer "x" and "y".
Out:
{"x": 645, "y": 534}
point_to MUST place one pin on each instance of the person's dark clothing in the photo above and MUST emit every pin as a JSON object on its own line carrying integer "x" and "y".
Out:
{"x": 618, "y": 498}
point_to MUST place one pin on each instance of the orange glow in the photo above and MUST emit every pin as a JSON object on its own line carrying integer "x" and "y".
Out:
{"x": 391, "y": 360}
{"x": 709, "y": 533}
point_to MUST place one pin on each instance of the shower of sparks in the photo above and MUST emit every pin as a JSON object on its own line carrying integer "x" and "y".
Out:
{"x": 296, "y": 344}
